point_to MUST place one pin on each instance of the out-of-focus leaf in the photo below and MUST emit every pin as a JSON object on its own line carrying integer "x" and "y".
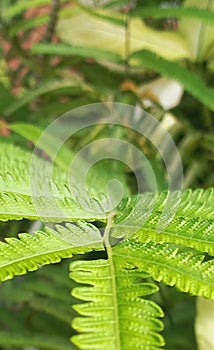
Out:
{"x": 70, "y": 82}
{"x": 69, "y": 50}
{"x": 204, "y": 326}
{"x": 22, "y": 5}
{"x": 174, "y": 12}
{"x": 84, "y": 29}
{"x": 33, "y": 133}
{"x": 165, "y": 43}
{"x": 199, "y": 34}
{"x": 3, "y": 73}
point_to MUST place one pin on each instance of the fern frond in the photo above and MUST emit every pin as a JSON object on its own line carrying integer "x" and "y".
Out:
{"x": 197, "y": 203}
{"x": 13, "y": 162}
{"x": 51, "y": 200}
{"x": 178, "y": 12}
{"x": 191, "y": 82}
{"x": 115, "y": 316}
{"x": 48, "y": 143}
{"x": 15, "y": 165}
{"x": 185, "y": 270}
{"x": 37, "y": 340}
{"x": 192, "y": 224}
{"x": 18, "y": 256}
{"x": 15, "y": 206}
{"x": 194, "y": 233}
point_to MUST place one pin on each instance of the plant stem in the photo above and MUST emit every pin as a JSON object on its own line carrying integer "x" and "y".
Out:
{"x": 106, "y": 239}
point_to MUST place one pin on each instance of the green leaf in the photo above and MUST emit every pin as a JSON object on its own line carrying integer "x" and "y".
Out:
{"x": 14, "y": 206}
{"x": 189, "y": 222}
{"x": 48, "y": 246}
{"x": 42, "y": 191}
{"x": 37, "y": 340}
{"x": 178, "y": 12}
{"x": 114, "y": 316}
{"x": 27, "y": 24}
{"x": 22, "y": 5}
{"x": 15, "y": 168}
{"x": 71, "y": 50}
{"x": 185, "y": 270}
{"x": 200, "y": 36}
{"x": 33, "y": 133}
{"x": 86, "y": 30}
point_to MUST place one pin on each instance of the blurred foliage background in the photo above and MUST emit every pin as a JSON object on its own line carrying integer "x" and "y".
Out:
{"x": 56, "y": 55}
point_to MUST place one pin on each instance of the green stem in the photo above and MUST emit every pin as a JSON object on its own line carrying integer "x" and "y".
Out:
{"x": 106, "y": 239}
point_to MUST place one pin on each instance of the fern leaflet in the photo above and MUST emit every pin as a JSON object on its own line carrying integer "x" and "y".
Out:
{"x": 113, "y": 300}
{"x": 115, "y": 317}
{"x": 17, "y": 256}
{"x": 44, "y": 194}
{"x": 190, "y": 224}
{"x": 183, "y": 269}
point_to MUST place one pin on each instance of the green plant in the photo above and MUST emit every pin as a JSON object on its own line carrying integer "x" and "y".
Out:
{"x": 117, "y": 284}
{"x": 142, "y": 49}
{"x": 146, "y": 41}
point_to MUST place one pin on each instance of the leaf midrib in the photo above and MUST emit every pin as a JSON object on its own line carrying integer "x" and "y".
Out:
{"x": 113, "y": 281}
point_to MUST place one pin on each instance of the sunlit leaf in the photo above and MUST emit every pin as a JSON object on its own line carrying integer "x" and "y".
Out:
{"x": 84, "y": 29}
{"x": 199, "y": 34}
